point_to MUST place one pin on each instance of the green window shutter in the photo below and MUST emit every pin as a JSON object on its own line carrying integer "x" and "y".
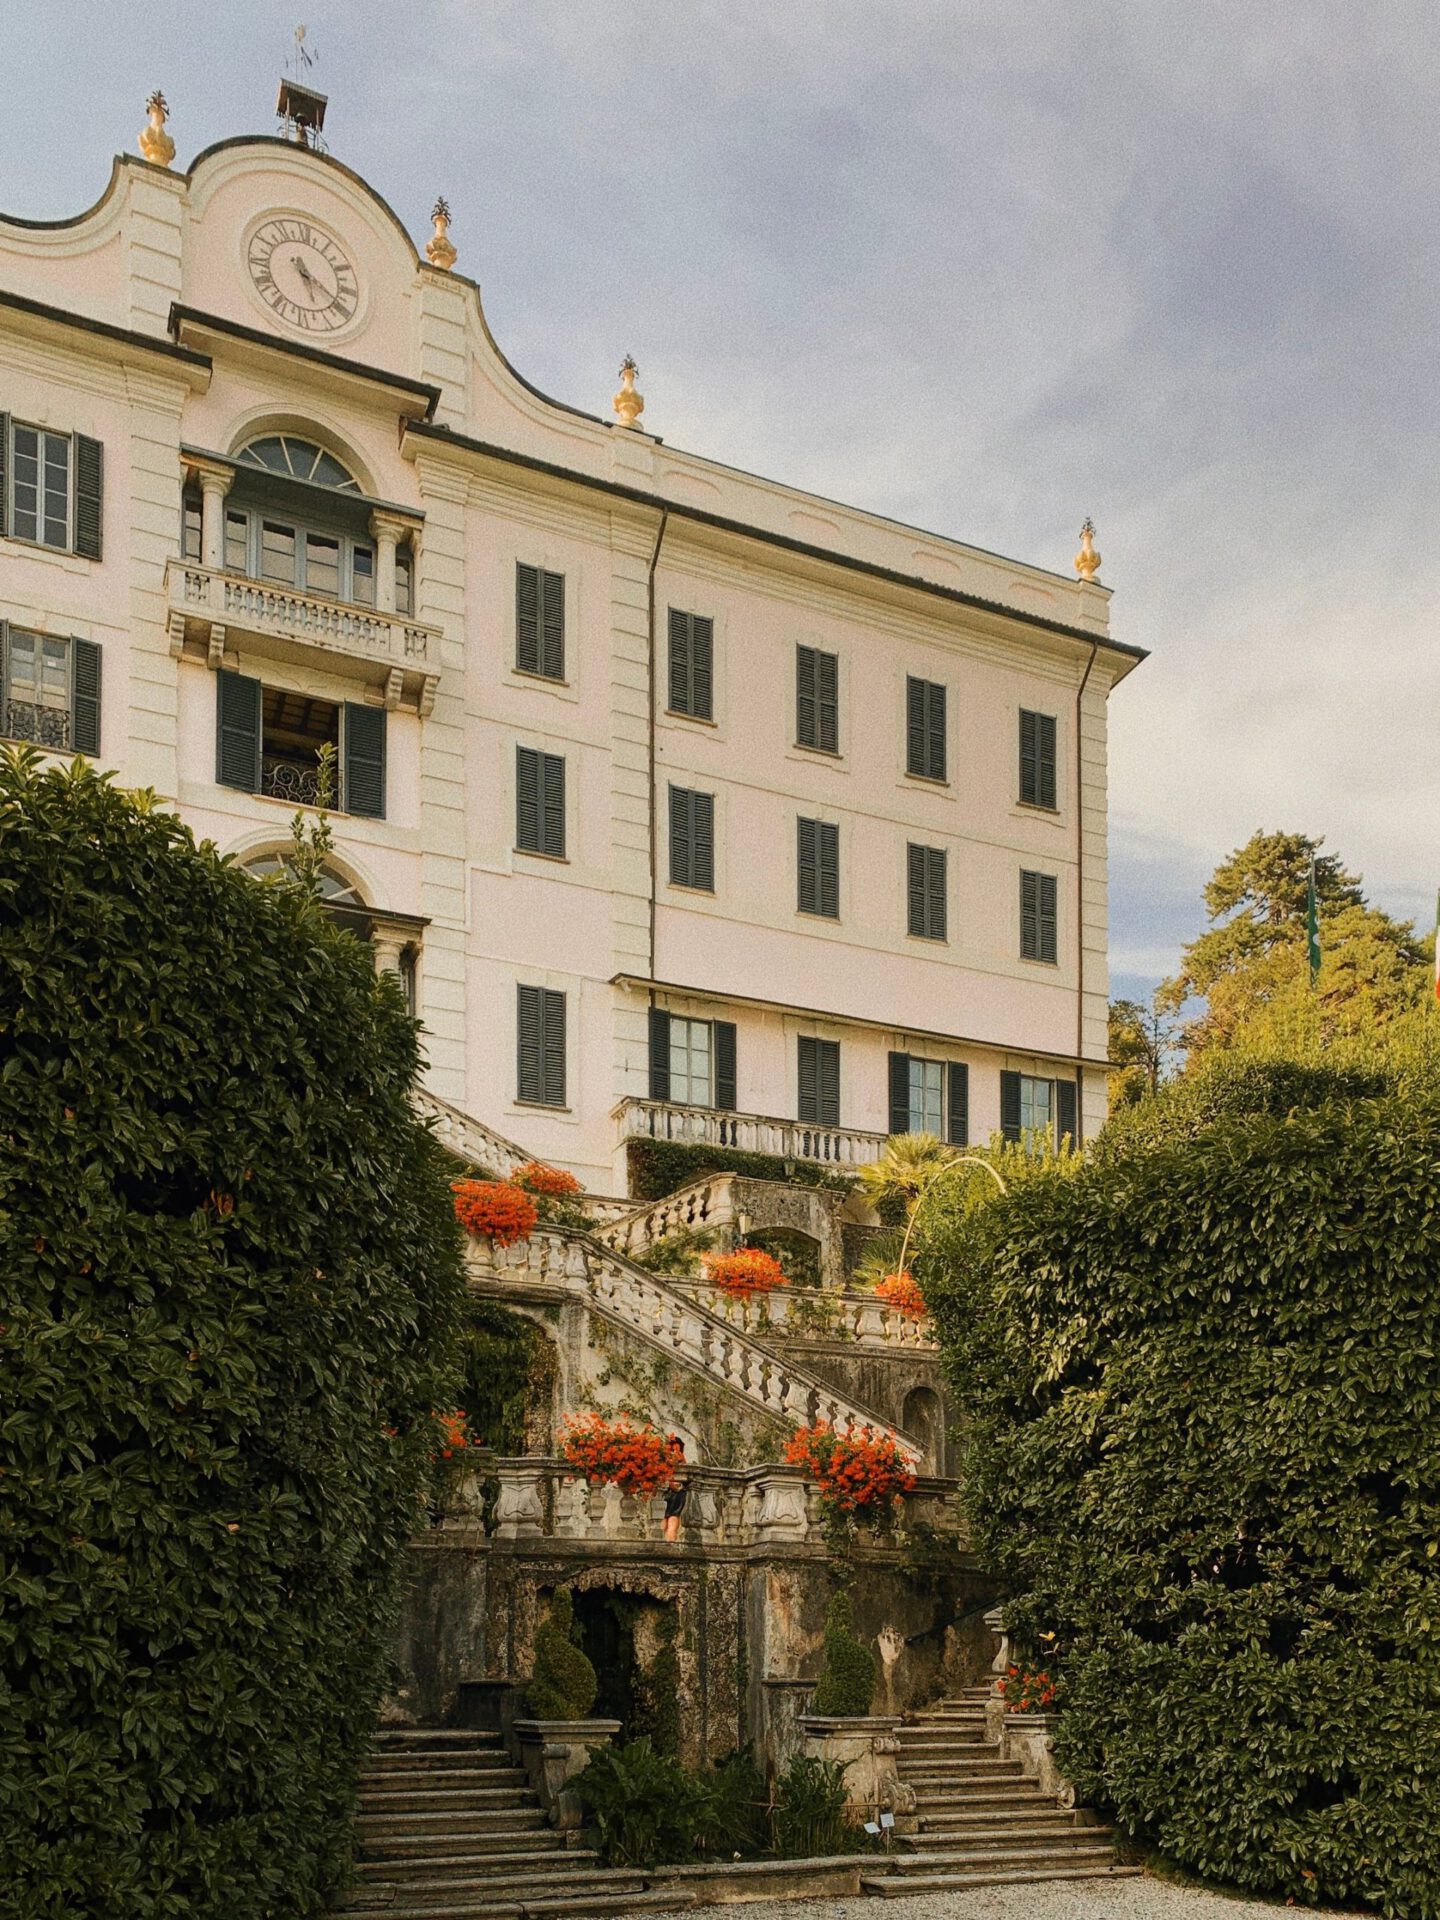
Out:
{"x": 1030, "y": 916}
{"x": 935, "y": 730}
{"x": 680, "y": 661}
{"x": 237, "y": 731}
{"x": 914, "y": 726}
{"x": 364, "y": 772}
{"x": 1065, "y": 1112}
{"x": 725, "y": 1088}
{"x": 702, "y": 666}
{"x": 827, "y": 847}
{"x": 527, "y": 800}
{"x": 659, "y": 1054}
{"x": 552, "y": 625}
{"x": 4, "y": 474}
{"x": 553, "y": 1047}
{"x": 702, "y": 841}
{"x": 957, "y": 1091}
{"x": 807, "y": 891}
{"x": 552, "y": 805}
{"x": 1029, "y": 759}
{"x": 681, "y": 837}
{"x": 527, "y": 618}
{"x": 1046, "y": 743}
{"x": 915, "y": 889}
{"x": 89, "y": 496}
{"x": 806, "y": 709}
{"x": 85, "y": 697}
{"x": 808, "y": 1102}
{"x": 1010, "y": 1105}
{"x": 1048, "y": 917}
{"x": 528, "y": 1078}
{"x": 827, "y": 702}
{"x": 829, "y": 1115}
{"x": 935, "y": 894}
{"x": 899, "y": 1093}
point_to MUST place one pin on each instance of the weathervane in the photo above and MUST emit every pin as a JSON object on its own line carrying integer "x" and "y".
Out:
{"x": 300, "y": 108}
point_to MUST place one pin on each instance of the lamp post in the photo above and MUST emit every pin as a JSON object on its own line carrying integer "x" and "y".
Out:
{"x": 941, "y": 1174}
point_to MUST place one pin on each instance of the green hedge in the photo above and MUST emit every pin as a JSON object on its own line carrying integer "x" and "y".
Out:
{"x": 1203, "y": 1447}
{"x": 231, "y": 1283}
{"x": 658, "y": 1167}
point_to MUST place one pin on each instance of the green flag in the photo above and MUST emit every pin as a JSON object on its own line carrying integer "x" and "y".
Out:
{"x": 1312, "y": 927}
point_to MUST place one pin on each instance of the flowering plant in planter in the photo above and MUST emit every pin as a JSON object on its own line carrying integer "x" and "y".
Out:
{"x": 857, "y": 1469}
{"x": 454, "y": 1435}
{"x": 495, "y": 1210}
{"x": 746, "y": 1271}
{"x": 902, "y": 1292}
{"x": 637, "y": 1459}
{"x": 549, "y": 1183}
{"x": 1026, "y": 1692}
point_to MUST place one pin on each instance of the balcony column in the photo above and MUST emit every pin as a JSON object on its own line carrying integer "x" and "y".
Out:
{"x": 214, "y": 487}
{"x": 388, "y": 532}
{"x": 388, "y": 947}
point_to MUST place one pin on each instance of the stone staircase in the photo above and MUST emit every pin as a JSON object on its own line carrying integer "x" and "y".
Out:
{"x": 980, "y": 1822}
{"x": 449, "y": 1830}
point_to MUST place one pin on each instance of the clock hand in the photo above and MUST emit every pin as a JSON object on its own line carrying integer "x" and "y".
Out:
{"x": 306, "y": 275}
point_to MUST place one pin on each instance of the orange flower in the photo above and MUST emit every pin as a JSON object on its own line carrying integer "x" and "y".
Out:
{"x": 747, "y": 1271}
{"x": 552, "y": 1183}
{"x": 495, "y": 1209}
{"x": 636, "y": 1459}
{"x": 854, "y": 1467}
{"x": 902, "y": 1292}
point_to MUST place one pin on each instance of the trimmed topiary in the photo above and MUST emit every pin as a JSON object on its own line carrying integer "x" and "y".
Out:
{"x": 229, "y": 1293}
{"x": 1203, "y": 1404}
{"x": 847, "y": 1673}
{"x": 564, "y": 1685}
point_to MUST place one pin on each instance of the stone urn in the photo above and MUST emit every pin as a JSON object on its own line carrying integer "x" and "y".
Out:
{"x": 552, "y": 1752}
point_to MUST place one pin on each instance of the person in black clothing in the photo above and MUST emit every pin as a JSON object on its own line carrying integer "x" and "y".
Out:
{"x": 677, "y": 1496}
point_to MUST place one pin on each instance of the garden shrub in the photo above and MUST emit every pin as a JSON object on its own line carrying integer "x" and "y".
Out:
{"x": 658, "y": 1167}
{"x": 508, "y": 1375}
{"x": 810, "y": 1810}
{"x": 1203, "y": 1448}
{"x": 847, "y": 1674}
{"x": 228, "y": 1305}
{"x": 564, "y": 1685}
{"x": 644, "y": 1807}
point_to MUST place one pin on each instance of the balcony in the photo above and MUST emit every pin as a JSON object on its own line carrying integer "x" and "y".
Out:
{"x": 216, "y": 609}
{"x": 748, "y": 1133}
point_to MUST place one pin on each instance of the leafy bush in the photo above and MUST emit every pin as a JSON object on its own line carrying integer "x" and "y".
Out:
{"x": 1203, "y": 1402}
{"x": 564, "y": 1685}
{"x": 847, "y": 1674}
{"x": 810, "y": 1810}
{"x": 644, "y": 1806}
{"x": 508, "y": 1373}
{"x": 733, "y": 1809}
{"x": 229, "y": 1295}
{"x": 658, "y": 1167}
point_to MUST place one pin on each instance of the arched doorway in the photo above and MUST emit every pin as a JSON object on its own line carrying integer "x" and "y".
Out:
{"x": 923, "y": 1416}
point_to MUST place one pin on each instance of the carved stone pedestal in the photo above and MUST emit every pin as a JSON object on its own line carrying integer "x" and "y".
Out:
{"x": 552, "y": 1752}
{"x": 867, "y": 1748}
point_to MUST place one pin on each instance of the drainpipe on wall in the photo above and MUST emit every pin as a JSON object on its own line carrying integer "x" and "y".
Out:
{"x": 650, "y": 759}
{"x": 1079, "y": 906}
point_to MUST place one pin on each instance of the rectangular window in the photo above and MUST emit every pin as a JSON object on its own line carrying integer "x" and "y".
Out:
{"x": 930, "y": 1096}
{"x": 191, "y": 528}
{"x": 40, "y": 496}
{"x": 818, "y": 864}
{"x": 817, "y": 699}
{"x": 322, "y": 565}
{"x": 924, "y": 728}
{"x": 692, "y": 661}
{"x": 540, "y": 1047}
{"x": 1038, "y": 913}
{"x": 405, "y": 582}
{"x": 49, "y": 690}
{"x": 692, "y": 1076}
{"x": 819, "y": 1103}
{"x": 273, "y": 740}
{"x": 1037, "y": 759}
{"x": 294, "y": 729}
{"x": 1035, "y": 1108}
{"x": 927, "y": 1097}
{"x": 237, "y": 542}
{"x": 278, "y": 553}
{"x": 692, "y": 839}
{"x": 362, "y": 575}
{"x": 539, "y": 621}
{"x": 925, "y": 891}
{"x": 540, "y": 802}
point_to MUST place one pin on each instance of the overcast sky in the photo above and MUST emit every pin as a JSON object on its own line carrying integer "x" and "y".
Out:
{"x": 987, "y": 265}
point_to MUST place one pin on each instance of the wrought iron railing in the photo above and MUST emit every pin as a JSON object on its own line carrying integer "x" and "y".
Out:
{"x": 40, "y": 726}
{"x": 292, "y": 781}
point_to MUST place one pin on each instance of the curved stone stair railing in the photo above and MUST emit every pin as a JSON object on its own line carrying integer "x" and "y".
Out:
{"x": 677, "y": 1326}
{"x": 468, "y": 1138}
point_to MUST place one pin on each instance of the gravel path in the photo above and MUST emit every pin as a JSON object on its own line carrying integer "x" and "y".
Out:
{"x": 1141, "y": 1899}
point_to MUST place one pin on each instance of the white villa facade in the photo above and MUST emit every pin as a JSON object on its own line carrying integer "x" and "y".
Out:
{"x": 687, "y": 803}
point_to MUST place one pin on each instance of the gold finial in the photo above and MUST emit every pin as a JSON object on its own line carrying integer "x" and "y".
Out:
{"x": 155, "y": 143}
{"x": 1087, "y": 561}
{"x": 440, "y": 248}
{"x": 628, "y": 404}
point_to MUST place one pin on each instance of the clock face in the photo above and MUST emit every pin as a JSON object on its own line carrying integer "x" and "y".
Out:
{"x": 302, "y": 275}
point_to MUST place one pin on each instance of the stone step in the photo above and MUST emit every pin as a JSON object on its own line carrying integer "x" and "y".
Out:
{"x": 1006, "y": 1818}
{"x": 434, "y": 1739}
{"x": 958, "y": 1794}
{"x": 484, "y": 1820}
{"x": 1007, "y": 1849}
{"x": 944, "y": 1846}
{"x": 1021, "y": 1795}
{"x": 438, "y": 1800}
{"x": 446, "y": 1760}
{"x": 510, "y": 1893}
{"x": 417, "y": 1779}
{"x": 583, "y": 1906}
{"x": 900, "y": 1886}
{"x": 472, "y": 1864}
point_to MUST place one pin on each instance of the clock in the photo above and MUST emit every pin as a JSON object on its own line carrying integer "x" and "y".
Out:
{"x": 302, "y": 274}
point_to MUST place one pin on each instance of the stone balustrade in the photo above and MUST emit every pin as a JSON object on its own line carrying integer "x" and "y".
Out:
{"x": 534, "y": 1498}
{"x": 748, "y": 1132}
{"x": 813, "y": 1313}
{"x": 468, "y": 1138}
{"x": 704, "y": 1206}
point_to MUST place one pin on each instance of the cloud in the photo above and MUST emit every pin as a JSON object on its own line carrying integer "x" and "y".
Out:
{"x": 988, "y": 269}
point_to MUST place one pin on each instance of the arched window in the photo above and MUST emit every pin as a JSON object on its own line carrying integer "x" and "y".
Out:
{"x": 298, "y": 459}
{"x": 335, "y": 890}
